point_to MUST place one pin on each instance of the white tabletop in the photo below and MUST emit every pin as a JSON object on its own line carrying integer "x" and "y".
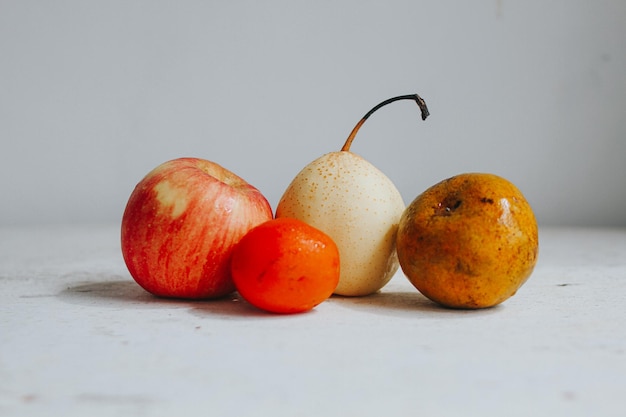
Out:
{"x": 78, "y": 337}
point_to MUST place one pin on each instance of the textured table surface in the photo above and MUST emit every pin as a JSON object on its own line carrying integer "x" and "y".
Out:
{"x": 79, "y": 337}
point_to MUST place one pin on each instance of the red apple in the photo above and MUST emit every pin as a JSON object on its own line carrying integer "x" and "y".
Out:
{"x": 181, "y": 223}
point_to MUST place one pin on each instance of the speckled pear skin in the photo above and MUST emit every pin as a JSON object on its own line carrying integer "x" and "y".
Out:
{"x": 359, "y": 207}
{"x": 470, "y": 241}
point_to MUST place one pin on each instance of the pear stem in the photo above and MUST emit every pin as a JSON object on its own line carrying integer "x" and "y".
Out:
{"x": 420, "y": 102}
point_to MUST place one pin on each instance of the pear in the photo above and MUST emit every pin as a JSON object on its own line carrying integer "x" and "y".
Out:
{"x": 357, "y": 205}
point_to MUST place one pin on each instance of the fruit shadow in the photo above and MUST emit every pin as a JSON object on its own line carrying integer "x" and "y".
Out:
{"x": 404, "y": 304}
{"x": 117, "y": 292}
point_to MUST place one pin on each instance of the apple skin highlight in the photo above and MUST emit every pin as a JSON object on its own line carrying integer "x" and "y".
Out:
{"x": 181, "y": 223}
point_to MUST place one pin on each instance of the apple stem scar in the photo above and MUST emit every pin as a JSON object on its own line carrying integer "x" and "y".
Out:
{"x": 420, "y": 102}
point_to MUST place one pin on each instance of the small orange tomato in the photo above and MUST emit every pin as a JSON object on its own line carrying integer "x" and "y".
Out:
{"x": 285, "y": 266}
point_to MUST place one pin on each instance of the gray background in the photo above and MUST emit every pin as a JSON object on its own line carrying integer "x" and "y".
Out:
{"x": 95, "y": 94}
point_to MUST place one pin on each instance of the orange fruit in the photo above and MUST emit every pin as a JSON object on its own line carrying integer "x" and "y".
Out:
{"x": 285, "y": 266}
{"x": 470, "y": 241}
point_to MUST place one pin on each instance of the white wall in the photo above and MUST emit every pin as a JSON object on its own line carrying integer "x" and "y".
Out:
{"x": 95, "y": 94}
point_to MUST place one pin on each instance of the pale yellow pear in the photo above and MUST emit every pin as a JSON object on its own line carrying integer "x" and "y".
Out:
{"x": 358, "y": 206}
{"x": 354, "y": 203}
